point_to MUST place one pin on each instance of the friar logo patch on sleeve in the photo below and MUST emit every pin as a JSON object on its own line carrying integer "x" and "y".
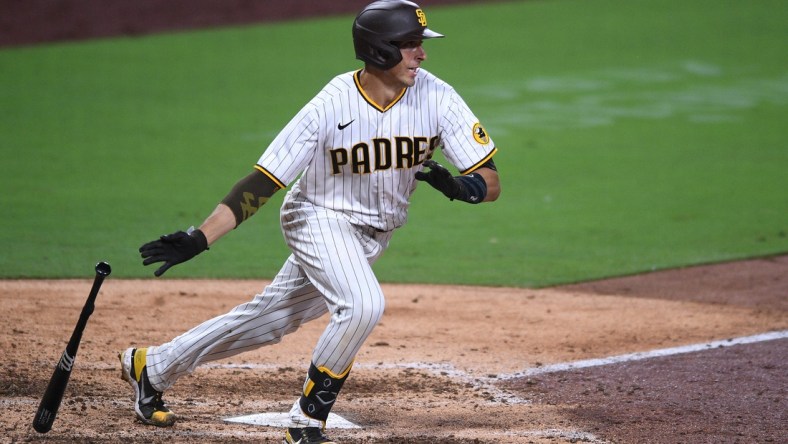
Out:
{"x": 480, "y": 134}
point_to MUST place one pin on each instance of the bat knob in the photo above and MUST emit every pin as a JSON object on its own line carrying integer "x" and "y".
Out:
{"x": 103, "y": 269}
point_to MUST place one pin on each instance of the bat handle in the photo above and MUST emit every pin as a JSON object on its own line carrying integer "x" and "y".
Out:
{"x": 102, "y": 271}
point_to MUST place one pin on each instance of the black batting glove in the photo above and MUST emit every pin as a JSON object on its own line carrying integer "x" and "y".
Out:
{"x": 172, "y": 249}
{"x": 441, "y": 179}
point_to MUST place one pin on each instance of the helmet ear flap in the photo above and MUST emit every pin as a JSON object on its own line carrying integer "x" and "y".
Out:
{"x": 371, "y": 49}
{"x": 388, "y": 56}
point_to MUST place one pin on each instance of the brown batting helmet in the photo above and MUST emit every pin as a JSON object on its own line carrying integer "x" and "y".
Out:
{"x": 382, "y": 24}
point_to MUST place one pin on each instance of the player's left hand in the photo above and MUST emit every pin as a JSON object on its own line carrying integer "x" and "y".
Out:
{"x": 441, "y": 179}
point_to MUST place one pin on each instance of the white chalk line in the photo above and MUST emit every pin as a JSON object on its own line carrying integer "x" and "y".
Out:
{"x": 568, "y": 366}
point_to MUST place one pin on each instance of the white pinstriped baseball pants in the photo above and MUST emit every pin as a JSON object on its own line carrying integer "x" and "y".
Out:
{"x": 329, "y": 270}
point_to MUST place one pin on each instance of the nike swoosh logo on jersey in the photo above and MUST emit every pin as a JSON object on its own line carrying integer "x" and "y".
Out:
{"x": 341, "y": 127}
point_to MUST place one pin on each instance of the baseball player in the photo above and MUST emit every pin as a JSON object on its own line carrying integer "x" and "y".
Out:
{"x": 354, "y": 155}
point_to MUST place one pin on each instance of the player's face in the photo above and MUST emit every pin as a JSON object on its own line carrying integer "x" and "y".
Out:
{"x": 412, "y": 56}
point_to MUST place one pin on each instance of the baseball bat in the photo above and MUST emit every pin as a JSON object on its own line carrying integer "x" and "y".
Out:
{"x": 50, "y": 403}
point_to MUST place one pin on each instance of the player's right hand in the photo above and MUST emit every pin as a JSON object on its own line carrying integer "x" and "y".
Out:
{"x": 441, "y": 179}
{"x": 172, "y": 249}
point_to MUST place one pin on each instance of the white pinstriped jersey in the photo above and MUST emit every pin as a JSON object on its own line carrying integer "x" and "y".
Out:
{"x": 357, "y": 164}
{"x": 361, "y": 159}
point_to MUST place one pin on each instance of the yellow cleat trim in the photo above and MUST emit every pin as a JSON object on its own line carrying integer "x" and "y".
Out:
{"x": 162, "y": 418}
{"x": 139, "y": 362}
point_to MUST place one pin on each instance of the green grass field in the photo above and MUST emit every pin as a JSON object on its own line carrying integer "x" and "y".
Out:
{"x": 633, "y": 136}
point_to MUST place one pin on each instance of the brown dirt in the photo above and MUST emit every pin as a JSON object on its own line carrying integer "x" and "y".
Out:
{"x": 441, "y": 366}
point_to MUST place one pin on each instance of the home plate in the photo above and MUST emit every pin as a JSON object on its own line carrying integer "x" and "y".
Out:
{"x": 283, "y": 420}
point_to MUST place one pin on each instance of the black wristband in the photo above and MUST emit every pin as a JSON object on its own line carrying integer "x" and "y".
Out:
{"x": 473, "y": 188}
{"x": 202, "y": 241}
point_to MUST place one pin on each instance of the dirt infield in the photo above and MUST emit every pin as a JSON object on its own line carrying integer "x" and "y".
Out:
{"x": 447, "y": 364}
